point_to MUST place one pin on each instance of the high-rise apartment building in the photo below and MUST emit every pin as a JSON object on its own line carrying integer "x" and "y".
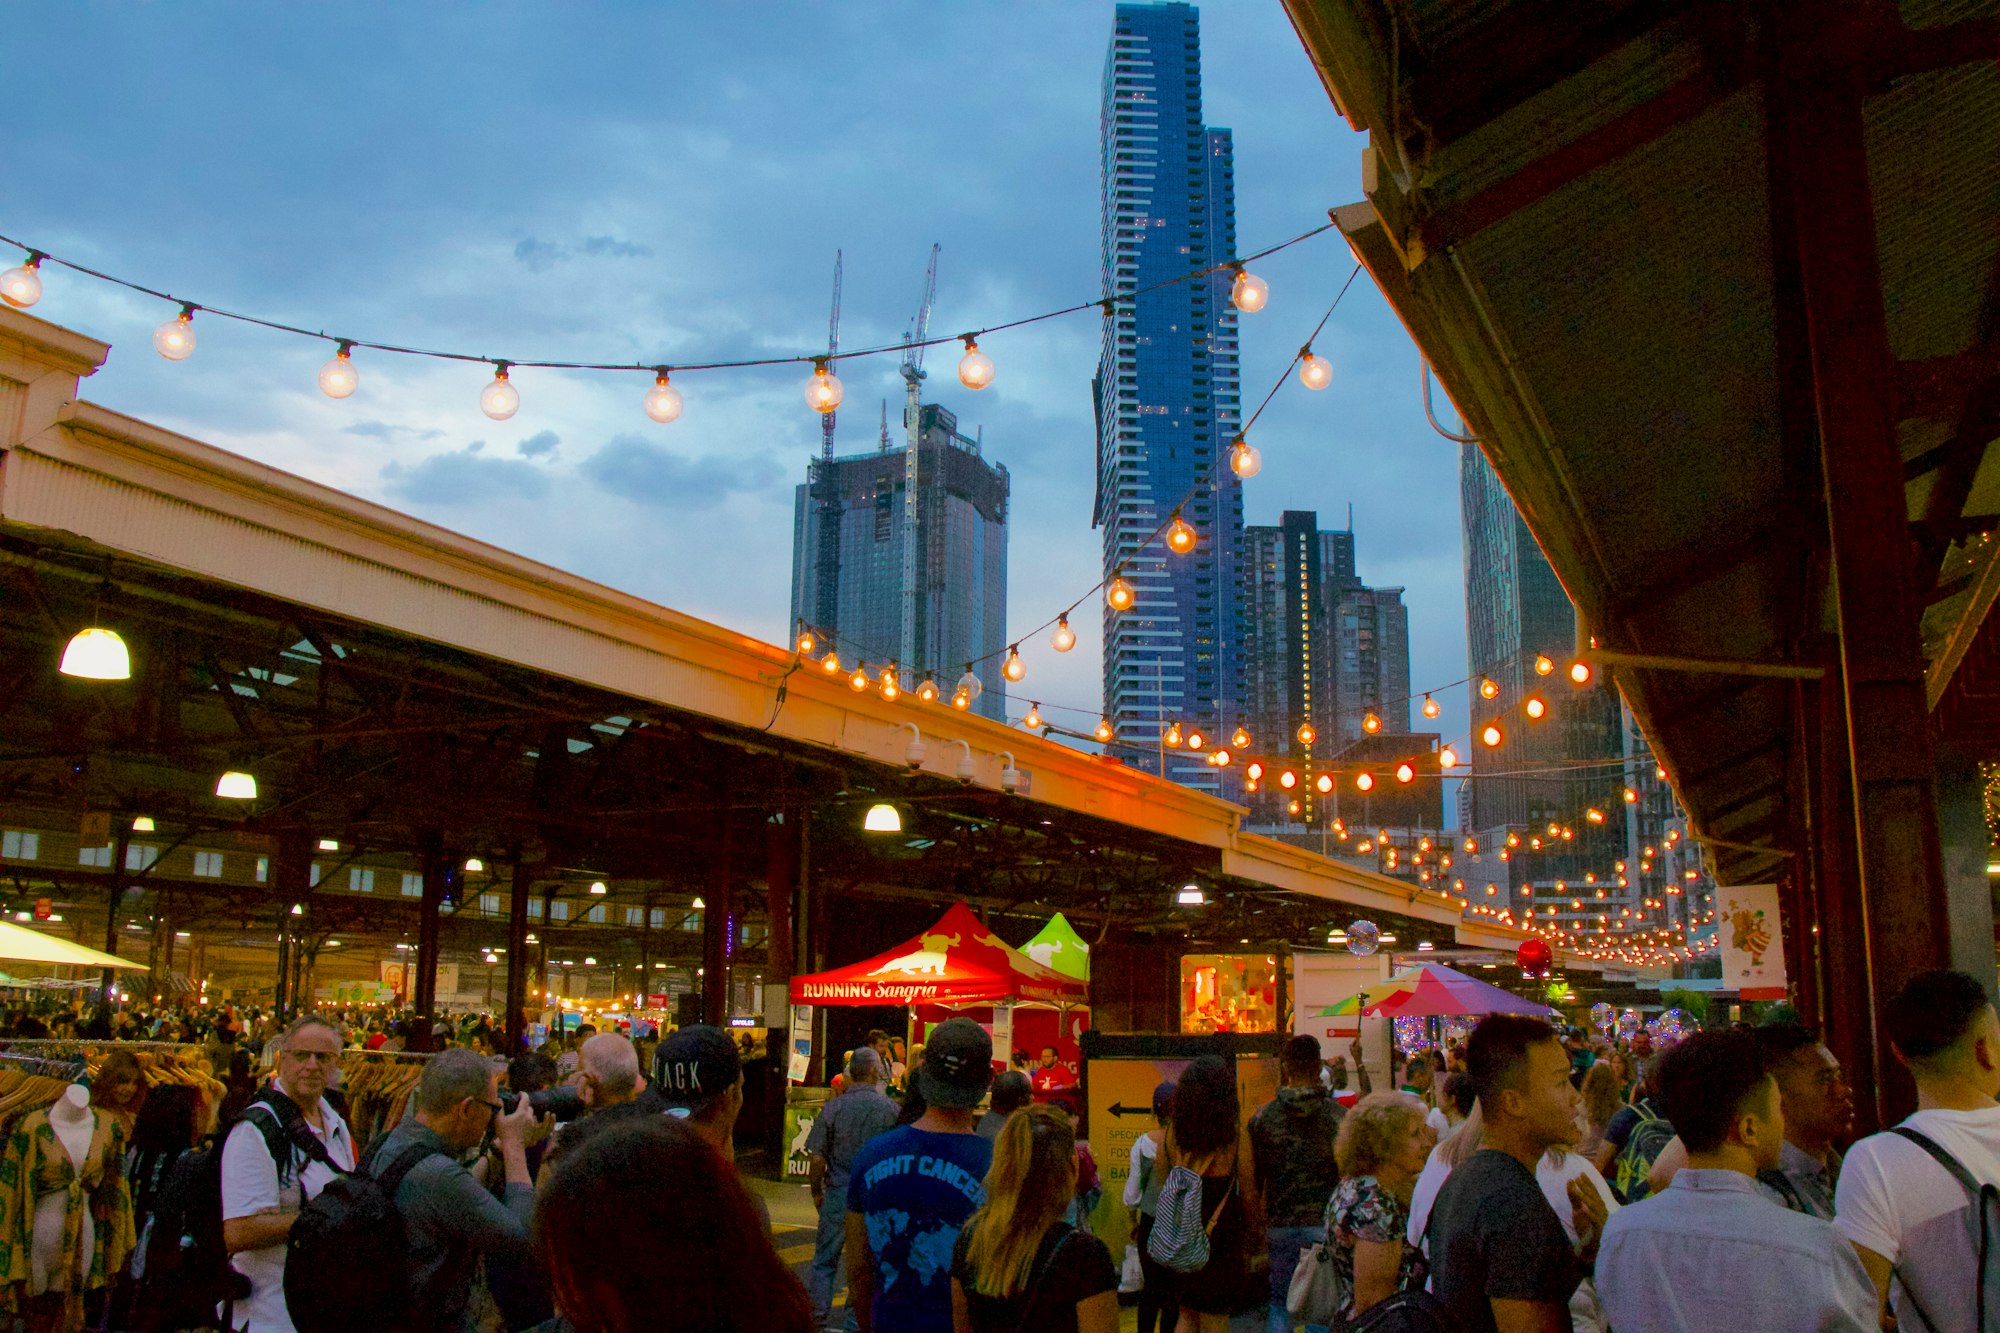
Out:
{"x": 961, "y": 566}
{"x": 1167, "y": 393}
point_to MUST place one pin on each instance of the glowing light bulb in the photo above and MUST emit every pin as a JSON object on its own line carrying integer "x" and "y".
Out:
{"x": 1371, "y": 724}
{"x": 1579, "y": 673}
{"x": 1173, "y": 736}
{"x": 969, "y": 685}
{"x": 831, "y": 662}
{"x": 890, "y": 688}
{"x": 1244, "y": 460}
{"x": 1032, "y": 719}
{"x": 1288, "y": 779}
{"x": 338, "y": 378}
{"x": 1488, "y": 688}
{"x": 1536, "y": 709}
{"x": 1064, "y": 638}
{"x": 663, "y": 400}
{"x": 1240, "y": 739}
{"x": 1306, "y": 733}
{"x": 1249, "y": 292}
{"x": 175, "y": 339}
{"x": 859, "y": 680}
{"x": 1431, "y": 708}
{"x": 236, "y": 786}
{"x": 961, "y": 700}
{"x": 806, "y": 642}
{"x": 823, "y": 391}
{"x": 96, "y": 654}
{"x": 928, "y": 691}
{"x": 1254, "y": 771}
{"x": 1103, "y": 731}
{"x": 21, "y": 286}
{"x": 1365, "y": 782}
{"x": 1181, "y": 536}
{"x": 1118, "y": 595}
{"x": 1404, "y": 773}
{"x": 1491, "y": 736}
{"x": 1447, "y": 758}
{"x": 975, "y": 368}
{"x": 1196, "y": 740}
{"x": 1543, "y": 666}
{"x": 500, "y": 399}
{"x": 1315, "y": 372}
{"x": 1221, "y": 758}
{"x": 1323, "y": 783}
{"x": 1014, "y": 668}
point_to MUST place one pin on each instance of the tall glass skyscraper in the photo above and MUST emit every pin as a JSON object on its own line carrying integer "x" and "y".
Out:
{"x": 1167, "y": 391}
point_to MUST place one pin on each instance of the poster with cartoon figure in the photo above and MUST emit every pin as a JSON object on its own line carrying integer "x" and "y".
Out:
{"x": 1753, "y": 944}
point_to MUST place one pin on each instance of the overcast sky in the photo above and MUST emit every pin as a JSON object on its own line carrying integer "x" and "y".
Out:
{"x": 660, "y": 183}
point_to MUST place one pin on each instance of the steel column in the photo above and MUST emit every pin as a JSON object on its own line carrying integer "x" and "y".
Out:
{"x": 717, "y": 925}
{"x": 517, "y": 955}
{"x": 434, "y": 865}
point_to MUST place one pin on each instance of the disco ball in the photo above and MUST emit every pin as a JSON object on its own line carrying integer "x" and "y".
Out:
{"x": 1363, "y": 938}
{"x": 1603, "y": 1017}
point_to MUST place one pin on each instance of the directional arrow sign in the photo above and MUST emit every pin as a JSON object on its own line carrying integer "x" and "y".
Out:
{"x": 1119, "y": 1109}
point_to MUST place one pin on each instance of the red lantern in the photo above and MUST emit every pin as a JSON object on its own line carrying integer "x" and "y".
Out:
{"x": 1534, "y": 956}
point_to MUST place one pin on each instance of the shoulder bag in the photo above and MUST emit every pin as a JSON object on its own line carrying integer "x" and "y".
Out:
{"x": 1180, "y": 1239}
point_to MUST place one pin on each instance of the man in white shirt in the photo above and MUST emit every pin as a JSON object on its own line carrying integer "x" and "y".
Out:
{"x": 261, "y": 1194}
{"x": 1901, "y": 1208}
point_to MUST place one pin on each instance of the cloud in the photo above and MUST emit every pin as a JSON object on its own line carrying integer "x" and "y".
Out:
{"x": 382, "y": 430}
{"x": 647, "y": 474}
{"x": 540, "y": 256}
{"x": 615, "y": 248}
{"x": 538, "y": 445}
{"x": 464, "y": 478}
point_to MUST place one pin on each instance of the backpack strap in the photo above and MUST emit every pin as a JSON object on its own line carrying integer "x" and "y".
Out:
{"x": 390, "y": 1178}
{"x": 1980, "y": 1194}
{"x": 287, "y": 1126}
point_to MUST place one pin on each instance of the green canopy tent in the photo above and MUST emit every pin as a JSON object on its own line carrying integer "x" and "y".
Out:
{"x": 1060, "y": 948}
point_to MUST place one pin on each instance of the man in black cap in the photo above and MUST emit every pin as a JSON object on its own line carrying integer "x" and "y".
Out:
{"x": 911, "y": 1189}
{"x": 699, "y": 1076}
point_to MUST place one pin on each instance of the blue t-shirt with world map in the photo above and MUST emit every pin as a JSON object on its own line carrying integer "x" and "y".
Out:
{"x": 915, "y": 1189}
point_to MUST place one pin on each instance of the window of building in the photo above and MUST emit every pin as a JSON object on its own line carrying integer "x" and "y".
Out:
{"x": 208, "y": 865}
{"x": 596, "y": 914}
{"x": 559, "y": 910}
{"x": 635, "y": 916}
{"x": 360, "y": 880}
{"x": 18, "y": 846}
{"x": 413, "y": 885}
{"x": 263, "y": 868}
{"x": 489, "y": 904}
{"x": 140, "y": 855}
{"x": 97, "y": 857}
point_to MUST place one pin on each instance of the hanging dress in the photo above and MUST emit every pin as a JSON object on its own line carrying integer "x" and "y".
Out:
{"x": 37, "y": 1169}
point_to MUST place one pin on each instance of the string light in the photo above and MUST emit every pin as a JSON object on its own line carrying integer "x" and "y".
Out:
{"x": 928, "y": 691}
{"x": 500, "y": 399}
{"x": 859, "y": 680}
{"x": 1288, "y": 779}
{"x": 1240, "y": 739}
{"x": 1064, "y": 637}
{"x": 1447, "y": 758}
{"x": 1118, "y": 594}
{"x": 1366, "y": 782}
{"x": 1543, "y": 666}
{"x": 1014, "y": 668}
{"x": 1196, "y": 740}
{"x": 1492, "y": 736}
{"x": 663, "y": 400}
{"x": 1249, "y": 292}
{"x": 1535, "y": 708}
{"x": 1244, "y": 460}
{"x": 1103, "y": 731}
{"x": 338, "y": 377}
{"x": 1579, "y": 672}
{"x": 1032, "y": 719}
{"x": 960, "y": 699}
{"x": 1431, "y": 708}
{"x": 806, "y": 642}
{"x": 1323, "y": 784}
{"x": 890, "y": 687}
{"x": 823, "y": 390}
{"x": 1221, "y": 758}
{"x": 1488, "y": 688}
{"x": 1404, "y": 773}
{"x": 21, "y": 286}
{"x": 1306, "y": 733}
{"x": 975, "y": 368}
{"x": 1173, "y": 736}
{"x": 1315, "y": 372}
{"x": 175, "y": 339}
{"x": 831, "y": 662}
{"x": 1181, "y": 536}
{"x": 969, "y": 685}
{"x": 1369, "y": 723}
{"x": 1253, "y": 770}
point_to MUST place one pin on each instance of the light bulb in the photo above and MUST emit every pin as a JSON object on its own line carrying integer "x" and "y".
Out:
{"x": 1431, "y": 708}
{"x": 1315, "y": 372}
{"x": 1118, "y": 595}
{"x": 1535, "y": 709}
{"x": 1371, "y": 724}
{"x": 1181, "y": 536}
{"x": 663, "y": 400}
{"x": 1195, "y": 740}
{"x": 1240, "y": 739}
{"x": 1014, "y": 668}
{"x": 823, "y": 391}
{"x": 1579, "y": 673}
{"x": 1405, "y": 773}
{"x": 1221, "y": 758}
{"x": 96, "y": 654}
{"x": 1064, "y": 637}
{"x": 975, "y": 368}
{"x": 806, "y": 642}
{"x": 500, "y": 399}
{"x": 21, "y": 286}
{"x": 1543, "y": 666}
{"x": 175, "y": 339}
{"x": 1323, "y": 784}
{"x": 928, "y": 691}
{"x": 235, "y": 786}
{"x": 1254, "y": 771}
{"x": 338, "y": 378}
{"x": 961, "y": 700}
{"x": 1488, "y": 688}
{"x": 1447, "y": 758}
{"x": 1491, "y": 736}
{"x": 1103, "y": 731}
{"x": 859, "y": 680}
{"x": 1173, "y": 736}
{"x": 969, "y": 685}
{"x": 1249, "y": 292}
{"x": 830, "y": 663}
{"x": 1366, "y": 782}
{"x": 1032, "y": 720}
{"x": 1288, "y": 779}
{"x": 1306, "y": 733}
{"x": 890, "y": 687}
{"x": 1244, "y": 460}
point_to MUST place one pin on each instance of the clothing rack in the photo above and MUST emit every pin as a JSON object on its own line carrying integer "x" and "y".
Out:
{"x": 67, "y": 1068}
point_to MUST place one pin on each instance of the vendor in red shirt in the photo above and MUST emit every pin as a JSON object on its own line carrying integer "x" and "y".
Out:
{"x": 1051, "y": 1080}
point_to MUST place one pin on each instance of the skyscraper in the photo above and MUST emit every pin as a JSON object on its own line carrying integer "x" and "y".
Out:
{"x": 961, "y": 565}
{"x": 1167, "y": 393}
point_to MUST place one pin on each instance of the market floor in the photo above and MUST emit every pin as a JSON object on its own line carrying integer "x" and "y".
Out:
{"x": 794, "y": 1224}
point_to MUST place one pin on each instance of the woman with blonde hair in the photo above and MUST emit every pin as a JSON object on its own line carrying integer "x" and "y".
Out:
{"x": 1602, "y": 1096}
{"x": 1381, "y": 1150}
{"x": 1017, "y": 1265}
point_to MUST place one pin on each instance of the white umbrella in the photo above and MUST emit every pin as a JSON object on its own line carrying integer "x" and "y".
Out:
{"x": 20, "y": 945}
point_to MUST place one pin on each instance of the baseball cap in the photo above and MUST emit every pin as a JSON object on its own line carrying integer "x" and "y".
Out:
{"x": 958, "y": 1065}
{"x": 694, "y": 1064}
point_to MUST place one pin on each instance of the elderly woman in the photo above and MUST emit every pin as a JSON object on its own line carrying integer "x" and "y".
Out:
{"x": 1381, "y": 1150}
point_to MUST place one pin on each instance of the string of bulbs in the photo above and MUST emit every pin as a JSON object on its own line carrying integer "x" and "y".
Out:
{"x": 499, "y": 399}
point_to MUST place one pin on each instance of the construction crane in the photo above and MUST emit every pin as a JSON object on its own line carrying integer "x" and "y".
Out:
{"x": 826, "y": 490}
{"x": 913, "y": 376}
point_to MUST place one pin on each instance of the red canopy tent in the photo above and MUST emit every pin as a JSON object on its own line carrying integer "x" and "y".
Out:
{"x": 958, "y": 961}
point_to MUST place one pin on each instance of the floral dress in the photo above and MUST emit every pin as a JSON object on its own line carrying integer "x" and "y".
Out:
{"x": 1361, "y": 1209}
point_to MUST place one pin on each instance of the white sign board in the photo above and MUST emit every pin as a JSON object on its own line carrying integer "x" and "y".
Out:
{"x": 1321, "y": 981}
{"x": 1753, "y": 942}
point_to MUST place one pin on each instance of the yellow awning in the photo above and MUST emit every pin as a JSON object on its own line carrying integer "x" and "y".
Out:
{"x": 21, "y": 945}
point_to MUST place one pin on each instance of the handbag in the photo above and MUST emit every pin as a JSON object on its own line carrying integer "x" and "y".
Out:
{"x": 1316, "y": 1294}
{"x": 1131, "y": 1273}
{"x": 1180, "y": 1240}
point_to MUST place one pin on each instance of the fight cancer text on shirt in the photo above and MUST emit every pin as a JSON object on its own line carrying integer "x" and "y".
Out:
{"x": 915, "y": 1189}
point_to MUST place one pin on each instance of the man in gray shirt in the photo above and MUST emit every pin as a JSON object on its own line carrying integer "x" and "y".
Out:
{"x": 843, "y": 1125}
{"x": 449, "y": 1218}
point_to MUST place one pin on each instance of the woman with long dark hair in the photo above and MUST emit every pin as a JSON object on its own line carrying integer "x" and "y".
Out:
{"x": 1017, "y": 1264}
{"x": 170, "y": 1124}
{"x": 642, "y": 1226}
{"x": 1228, "y": 1294}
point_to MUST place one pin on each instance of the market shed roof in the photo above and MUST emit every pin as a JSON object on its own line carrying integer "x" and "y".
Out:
{"x": 1572, "y": 208}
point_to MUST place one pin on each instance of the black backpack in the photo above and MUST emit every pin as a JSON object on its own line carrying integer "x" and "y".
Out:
{"x": 347, "y": 1261}
{"x": 187, "y": 1268}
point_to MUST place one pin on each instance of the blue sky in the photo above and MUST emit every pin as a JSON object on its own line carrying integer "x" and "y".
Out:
{"x": 654, "y": 183}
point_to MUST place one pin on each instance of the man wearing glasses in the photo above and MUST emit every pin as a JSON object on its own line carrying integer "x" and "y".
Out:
{"x": 286, "y": 1148}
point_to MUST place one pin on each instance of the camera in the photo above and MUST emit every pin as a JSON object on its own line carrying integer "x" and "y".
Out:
{"x": 564, "y": 1103}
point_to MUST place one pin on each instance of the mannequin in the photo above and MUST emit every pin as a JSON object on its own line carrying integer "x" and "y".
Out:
{"x": 66, "y": 1213}
{"x": 73, "y": 1122}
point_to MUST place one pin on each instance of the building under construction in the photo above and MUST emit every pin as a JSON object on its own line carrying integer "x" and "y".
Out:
{"x": 960, "y": 581}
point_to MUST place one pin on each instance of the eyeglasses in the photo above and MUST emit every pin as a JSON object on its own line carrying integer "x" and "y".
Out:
{"x": 322, "y": 1057}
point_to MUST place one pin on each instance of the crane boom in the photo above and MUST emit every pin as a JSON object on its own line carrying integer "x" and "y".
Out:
{"x": 826, "y": 495}
{"x": 913, "y": 374}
